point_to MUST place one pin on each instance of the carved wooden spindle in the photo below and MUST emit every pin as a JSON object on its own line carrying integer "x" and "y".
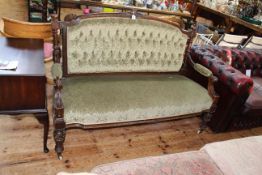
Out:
{"x": 191, "y": 35}
{"x": 59, "y": 123}
{"x": 56, "y": 39}
{"x": 58, "y": 108}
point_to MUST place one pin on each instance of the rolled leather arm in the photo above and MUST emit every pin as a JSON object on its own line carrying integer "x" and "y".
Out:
{"x": 236, "y": 81}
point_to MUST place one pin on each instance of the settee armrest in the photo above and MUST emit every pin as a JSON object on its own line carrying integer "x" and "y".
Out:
{"x": 202, "y": 70}
{"x": 236, "y": 81}
{"x": 206, "y": 73}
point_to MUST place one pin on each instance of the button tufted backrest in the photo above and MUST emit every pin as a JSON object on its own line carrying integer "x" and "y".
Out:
{"x": 117, "y": 44}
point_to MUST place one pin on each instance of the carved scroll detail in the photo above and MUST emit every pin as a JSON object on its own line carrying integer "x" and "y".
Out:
{"x": 59, "y": 135}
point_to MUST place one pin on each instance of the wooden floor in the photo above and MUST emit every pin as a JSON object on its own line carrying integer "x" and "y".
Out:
{"x": 21, "y": 144}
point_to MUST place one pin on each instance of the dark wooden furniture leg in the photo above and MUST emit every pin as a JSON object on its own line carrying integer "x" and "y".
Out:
{"x": 44, "y": 120}
{"x": 59, "y": 135}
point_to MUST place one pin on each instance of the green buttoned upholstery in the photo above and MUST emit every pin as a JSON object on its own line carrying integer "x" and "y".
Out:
{"x": 112, "y": 44}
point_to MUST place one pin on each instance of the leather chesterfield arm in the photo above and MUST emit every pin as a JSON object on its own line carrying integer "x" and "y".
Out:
{"x": 212, "y": 59}
{"x": 232, "y": 86}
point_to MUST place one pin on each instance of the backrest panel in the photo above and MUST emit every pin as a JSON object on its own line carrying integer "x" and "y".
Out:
{"x": 116, "y": 44}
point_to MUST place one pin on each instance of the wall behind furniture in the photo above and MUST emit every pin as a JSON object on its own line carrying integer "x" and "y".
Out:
{"x": 15, "y": 9}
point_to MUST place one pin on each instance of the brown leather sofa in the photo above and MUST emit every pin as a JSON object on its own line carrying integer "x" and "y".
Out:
{"x": 240, "y": 103}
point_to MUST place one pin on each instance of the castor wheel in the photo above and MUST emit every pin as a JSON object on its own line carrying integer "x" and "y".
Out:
{"x": 60, "y": 157}
{"x": 46, "y": 150}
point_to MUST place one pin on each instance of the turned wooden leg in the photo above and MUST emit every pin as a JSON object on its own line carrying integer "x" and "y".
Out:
{"x": 59, "y": 129}
{"x": 44, "y": 119}
{"x": 59, "y": 135}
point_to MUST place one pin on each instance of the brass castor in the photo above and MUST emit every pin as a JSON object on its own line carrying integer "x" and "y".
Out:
{"x": 199, "y": 131}
{"x": 59, "y": 156}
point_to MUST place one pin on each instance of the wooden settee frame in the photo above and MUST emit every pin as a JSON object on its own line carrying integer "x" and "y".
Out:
{"x": 60, "y": 50}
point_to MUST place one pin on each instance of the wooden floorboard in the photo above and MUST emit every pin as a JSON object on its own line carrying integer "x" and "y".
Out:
{"x": 21, "y": 144}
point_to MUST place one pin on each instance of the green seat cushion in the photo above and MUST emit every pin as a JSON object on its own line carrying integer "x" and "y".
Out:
{"x": 123, "y": 98}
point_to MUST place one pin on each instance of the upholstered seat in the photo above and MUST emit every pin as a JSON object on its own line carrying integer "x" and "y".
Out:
{"x": 125, "y": 98}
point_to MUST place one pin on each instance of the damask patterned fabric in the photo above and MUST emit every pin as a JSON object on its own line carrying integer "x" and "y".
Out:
{"x": 188, "y": 163}
{"x": 216, "y": 58}
{"x": 112, "y": 44}
{"x": 123, "y": 98}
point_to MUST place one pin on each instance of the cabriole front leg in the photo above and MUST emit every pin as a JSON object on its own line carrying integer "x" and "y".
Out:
{"x": 59, "y": 135}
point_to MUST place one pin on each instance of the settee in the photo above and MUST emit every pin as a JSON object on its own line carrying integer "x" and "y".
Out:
{"x": 119, "y": 69}
{"x": 232, "y": 157}
{"x": 239, "y": 85}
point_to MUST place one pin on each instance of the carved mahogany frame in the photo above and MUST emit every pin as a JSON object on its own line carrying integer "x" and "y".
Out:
{"x": 58, "y": 108}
